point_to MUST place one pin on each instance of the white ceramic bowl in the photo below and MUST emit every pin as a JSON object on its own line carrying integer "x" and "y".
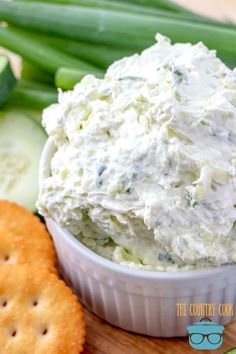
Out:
{"x": 136, "y": 300}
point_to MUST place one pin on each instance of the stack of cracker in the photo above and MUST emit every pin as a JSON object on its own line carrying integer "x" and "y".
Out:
{"x": 39, "y": 314}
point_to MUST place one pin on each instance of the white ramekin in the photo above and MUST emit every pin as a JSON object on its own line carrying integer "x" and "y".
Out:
{"x": 135, "y": 300}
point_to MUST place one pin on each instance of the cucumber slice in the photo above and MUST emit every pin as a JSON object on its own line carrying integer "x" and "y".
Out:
{"x": 21, "y": 144}
{"x": 231, "y": 351}
{"x": 7, "y": 79}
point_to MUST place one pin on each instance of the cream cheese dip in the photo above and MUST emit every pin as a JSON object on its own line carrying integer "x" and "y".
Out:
{"x": 144, "y": 172}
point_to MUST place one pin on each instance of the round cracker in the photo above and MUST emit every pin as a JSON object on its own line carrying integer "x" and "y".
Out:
{"x": 19, "y": 249}
{"x": 38, "y": 313}
{"x": 24, "y": 238}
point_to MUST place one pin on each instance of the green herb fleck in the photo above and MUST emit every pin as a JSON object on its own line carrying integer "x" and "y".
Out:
{"x": 99, "y": 182}
{"x": 103, "y": 241}
{"x": 191, "y": 202}
{"x": 179, "y": 76}
{"x": 177, "y": 96}
{"x": 203, "y": 121}
{"x": 167, "y": 67}
{"x": 165, "y": 257}
{"x": 101, "y": 169}
{"x": 128, "y": 190}
{"x": 132, "y": 78}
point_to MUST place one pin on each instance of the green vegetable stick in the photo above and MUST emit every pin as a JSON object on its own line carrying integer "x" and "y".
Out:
{"x": 42, "y": 55}
{"x": 97, "y": 54}
{"x": 66, "y": 78}
{"x": 129, "y": 7}
{"x": 31, "y": 98}
{"x": 7, "y": 79}
{"x": 33, "y": 72}
{"x": 109, "y": 27}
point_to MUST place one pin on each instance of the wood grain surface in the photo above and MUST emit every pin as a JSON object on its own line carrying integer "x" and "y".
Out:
{"x": 103, "y": 338}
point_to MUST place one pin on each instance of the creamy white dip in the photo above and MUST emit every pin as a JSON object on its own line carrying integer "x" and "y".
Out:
{"x": 144, "y": 172}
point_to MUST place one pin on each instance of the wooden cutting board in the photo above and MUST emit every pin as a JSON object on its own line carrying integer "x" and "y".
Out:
{"x": 103, "y": 338}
